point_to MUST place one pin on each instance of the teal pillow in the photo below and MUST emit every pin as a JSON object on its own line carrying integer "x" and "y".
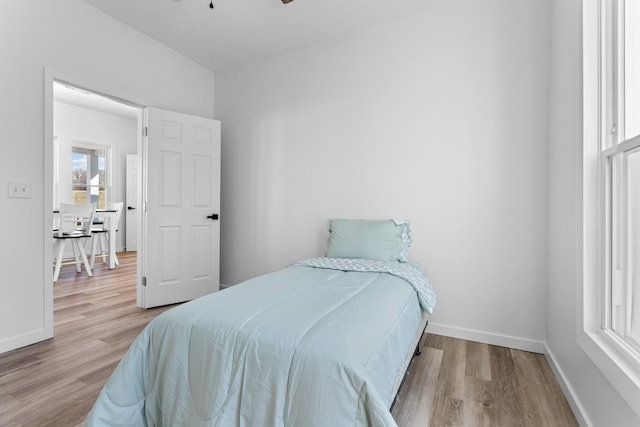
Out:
{"x": 382, "y": 240}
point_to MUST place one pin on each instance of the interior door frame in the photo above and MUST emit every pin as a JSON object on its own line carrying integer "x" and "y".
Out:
{"x": 51, "y": 75}
{"x": 128, "y": 212}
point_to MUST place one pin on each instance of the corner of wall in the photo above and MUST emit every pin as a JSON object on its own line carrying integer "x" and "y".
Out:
{"x": 569, "y": 393}
{"x": 487, "y": 338}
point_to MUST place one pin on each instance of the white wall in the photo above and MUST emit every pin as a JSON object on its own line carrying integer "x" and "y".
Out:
{"x": 72, "y": 123}
{"x": 72, "y": 39}
{"x": 439, "y": 118}
{"x": 593, "y": 395}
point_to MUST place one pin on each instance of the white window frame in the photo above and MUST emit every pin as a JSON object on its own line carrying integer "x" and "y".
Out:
{"x": 89, "y": 150}
{"x": 62, "y": 149}
{"x": 617, "y": 361}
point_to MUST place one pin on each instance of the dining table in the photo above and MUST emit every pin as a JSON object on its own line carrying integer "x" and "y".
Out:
{"x": 107, "y": 215}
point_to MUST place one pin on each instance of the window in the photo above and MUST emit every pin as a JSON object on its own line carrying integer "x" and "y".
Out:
{"x": 88, "y": 176}
{"x": 620, "y": 169}
{"x": 611, "y": 295}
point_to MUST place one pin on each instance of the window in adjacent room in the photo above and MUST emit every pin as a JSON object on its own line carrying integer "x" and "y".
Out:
{"x": 88, "y": 175}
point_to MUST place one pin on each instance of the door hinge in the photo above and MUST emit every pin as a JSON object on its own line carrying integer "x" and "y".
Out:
{"x": 146, "y": 130}
{"x": 144, "y": 280}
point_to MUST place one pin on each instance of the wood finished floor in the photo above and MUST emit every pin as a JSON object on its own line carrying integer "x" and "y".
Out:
{"x": 452, "y": 383}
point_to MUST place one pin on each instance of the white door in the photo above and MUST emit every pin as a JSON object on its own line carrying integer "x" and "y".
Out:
{"x": 180, "y": 243}
{"x": 131, "y": 204}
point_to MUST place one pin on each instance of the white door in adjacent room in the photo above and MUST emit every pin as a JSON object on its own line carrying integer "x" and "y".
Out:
{"x": 180, "y": 256}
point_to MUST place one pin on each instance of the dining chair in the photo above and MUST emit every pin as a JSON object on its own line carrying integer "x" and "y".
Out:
{"x": 100, "y": 234}
{"x": 74, "y": 225}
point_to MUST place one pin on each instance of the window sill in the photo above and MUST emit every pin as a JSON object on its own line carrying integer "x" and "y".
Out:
{"x": 616, "y": 365}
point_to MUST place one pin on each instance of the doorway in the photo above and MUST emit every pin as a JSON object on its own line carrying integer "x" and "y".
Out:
{"x": 93, "y": 135}
{"x": 180, "y": 172}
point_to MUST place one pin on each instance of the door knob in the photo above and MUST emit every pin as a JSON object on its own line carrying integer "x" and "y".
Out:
{"x": 213, "y": 216}
{"x": 131, "y": 208}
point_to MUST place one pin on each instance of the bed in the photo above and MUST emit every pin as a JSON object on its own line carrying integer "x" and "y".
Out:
{"x": 322, "y": 342}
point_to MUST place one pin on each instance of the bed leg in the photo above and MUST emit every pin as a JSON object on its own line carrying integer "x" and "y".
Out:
{"x": 418, "y": 352}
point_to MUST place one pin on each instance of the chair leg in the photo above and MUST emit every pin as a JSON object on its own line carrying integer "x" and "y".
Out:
{"x": 94, "y": 243}
{"x": 76, "y": 254}
{"x": 106, "y": 242}
{"x": 83, "y": 254}
{"x": 103, "y": 246}
{"x": 60, "y": 247}
{"x": 99, "y": 239}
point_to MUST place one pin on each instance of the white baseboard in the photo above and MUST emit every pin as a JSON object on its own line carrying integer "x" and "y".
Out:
{"x": 487, "y": 337}
{"x": 24, "y": 340}
{"x": 575, "y": 404}
{"x": 518, "y": 344}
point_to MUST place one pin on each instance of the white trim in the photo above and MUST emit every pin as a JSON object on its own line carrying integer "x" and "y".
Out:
{"x": 47, "y": 279}
{"x": 614, "y": 367}
{"x": 500, "y": 340}
{"x": 25, "y": 339}
{"x": 569, "y": 392}
{"x": 627, "y": 145}
{"x": 623, "y": 376}
{"x": 110, "y": 148}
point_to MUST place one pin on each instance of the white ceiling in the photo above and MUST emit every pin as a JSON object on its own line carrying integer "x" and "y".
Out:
{"x": 81, "y": 98}
{"x": 238, "y": 31}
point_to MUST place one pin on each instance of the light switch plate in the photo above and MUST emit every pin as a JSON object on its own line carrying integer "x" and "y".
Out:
{"x": 20, "y": 189}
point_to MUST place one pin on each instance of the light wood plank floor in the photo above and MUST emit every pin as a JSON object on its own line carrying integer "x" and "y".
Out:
{"x": 452, "y": 383}
{"x": 463, "y": 383}
{"x": 54, "y": 383}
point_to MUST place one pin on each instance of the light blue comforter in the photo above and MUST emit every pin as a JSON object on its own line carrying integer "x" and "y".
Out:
{"x": 302, "y": 346}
